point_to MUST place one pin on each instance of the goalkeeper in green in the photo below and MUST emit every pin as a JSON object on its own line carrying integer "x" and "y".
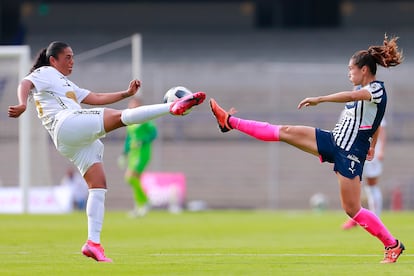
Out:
{"x": 137, "y": 153}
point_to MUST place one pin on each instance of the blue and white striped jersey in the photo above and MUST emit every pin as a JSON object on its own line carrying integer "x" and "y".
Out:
{"x": 360, "y": 119}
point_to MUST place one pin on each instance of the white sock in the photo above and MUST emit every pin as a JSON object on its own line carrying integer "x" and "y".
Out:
{"x": 144, "y": 113}
{"x": 374, "y": 197}
{"x": 95, "y": 209}
{"x": 376, "y": 191}
{"x": 370, "y": 198}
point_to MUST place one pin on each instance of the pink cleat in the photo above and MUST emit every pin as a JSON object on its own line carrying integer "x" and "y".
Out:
{"x": 391, "y": 254}
{"x": 95, "y": 251}
{"x": 183, "y": 105}
{"x": 349, "y": 224}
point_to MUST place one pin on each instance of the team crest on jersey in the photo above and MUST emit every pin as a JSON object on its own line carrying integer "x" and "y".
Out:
{"x": 71, "y": 95}
{"x": 350, "y": 105}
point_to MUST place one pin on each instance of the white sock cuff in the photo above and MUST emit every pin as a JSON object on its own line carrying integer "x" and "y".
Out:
{"x": 97, "y": 194}
{"x": 125, "y": 117}
{"x": 98, "y": 190}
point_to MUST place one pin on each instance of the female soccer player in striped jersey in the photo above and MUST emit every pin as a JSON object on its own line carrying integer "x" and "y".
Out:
{"x": 76, "y": 131}
{"x": 350, "y": 143}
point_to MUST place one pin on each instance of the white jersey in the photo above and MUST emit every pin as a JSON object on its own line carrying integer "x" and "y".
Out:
{"x": 52, "y": 93}
{"x": 360, "y": 119}
{"x": 373, "y": 168}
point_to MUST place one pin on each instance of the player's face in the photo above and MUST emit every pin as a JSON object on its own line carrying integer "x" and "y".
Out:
{"x": 64, "y": 61}
{"x": 355, "y": 73}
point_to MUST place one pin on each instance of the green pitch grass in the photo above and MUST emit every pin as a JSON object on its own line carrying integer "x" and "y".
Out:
{"x": 204, "y": 243}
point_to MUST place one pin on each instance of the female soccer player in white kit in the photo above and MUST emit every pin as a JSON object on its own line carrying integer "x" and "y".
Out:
{"x": 76, "y": 131}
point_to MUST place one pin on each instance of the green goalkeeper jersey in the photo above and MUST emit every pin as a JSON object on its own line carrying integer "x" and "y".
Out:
{"x": 138, "y": 135}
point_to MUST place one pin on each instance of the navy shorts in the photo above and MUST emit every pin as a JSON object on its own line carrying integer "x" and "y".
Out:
{"x": 347, "y": 163}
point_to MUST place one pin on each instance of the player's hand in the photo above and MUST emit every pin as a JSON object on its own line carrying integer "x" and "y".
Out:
{"x": 308, "y": 102}
{"x": 133, "y": 87}
{"x": 371, "y": 154}
{"x": 122, "y": 161}
{"x": 15, "y": 111}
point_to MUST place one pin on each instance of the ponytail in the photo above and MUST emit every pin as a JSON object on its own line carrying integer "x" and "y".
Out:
{"x": 386, "y": 55}
{"x": 41, "y": 60}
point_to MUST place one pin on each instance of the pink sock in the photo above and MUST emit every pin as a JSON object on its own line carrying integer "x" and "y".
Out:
{"x": 259, "y": 130}
{"x": 370, "y": 222}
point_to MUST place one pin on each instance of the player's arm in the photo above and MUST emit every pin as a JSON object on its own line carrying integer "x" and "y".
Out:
{"x": 382, "y": 136}
{"x": 23, "y": 91}
{"x": 127, "y": 144}
{"x": 339, "y": 97}
{"x": 96, "y": 98}
{"x": 371, "y": 151}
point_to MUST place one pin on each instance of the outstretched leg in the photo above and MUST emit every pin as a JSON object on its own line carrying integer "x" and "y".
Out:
{"x": 114, "y": 119}
{"x": 302, "y": 137}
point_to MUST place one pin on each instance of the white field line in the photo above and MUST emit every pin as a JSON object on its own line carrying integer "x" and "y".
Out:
{"x": 264, "y": 255}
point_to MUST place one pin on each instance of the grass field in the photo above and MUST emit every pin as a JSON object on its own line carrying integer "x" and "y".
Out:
{"x": 205, "y": 243}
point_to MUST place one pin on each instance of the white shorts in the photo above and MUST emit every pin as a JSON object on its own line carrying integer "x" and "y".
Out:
{"x": 372, "y": 168}
{"x": 77, "y": 136}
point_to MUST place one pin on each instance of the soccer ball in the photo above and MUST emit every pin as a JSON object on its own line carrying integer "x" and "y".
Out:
{"x": 318, "y": 202}
{"x": 175, "y": 93}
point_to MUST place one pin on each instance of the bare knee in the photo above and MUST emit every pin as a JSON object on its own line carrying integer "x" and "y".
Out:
{"x": 351, "y": 205}
{"x": 112, "y": 119}
{"x": 351, "y": 209}
{"x": 95, "y": 177}
{"x": 294, "y": 131}
{"x": 131, "y": 174}
{"x": 371, "y": 181}
{"x": 286, "y": 131}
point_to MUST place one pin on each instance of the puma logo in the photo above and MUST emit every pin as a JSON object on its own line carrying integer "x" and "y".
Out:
{"x": 351, "y": 168}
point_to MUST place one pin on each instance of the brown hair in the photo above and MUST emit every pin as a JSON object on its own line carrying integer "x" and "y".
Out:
{"x": 386, "y": 55}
